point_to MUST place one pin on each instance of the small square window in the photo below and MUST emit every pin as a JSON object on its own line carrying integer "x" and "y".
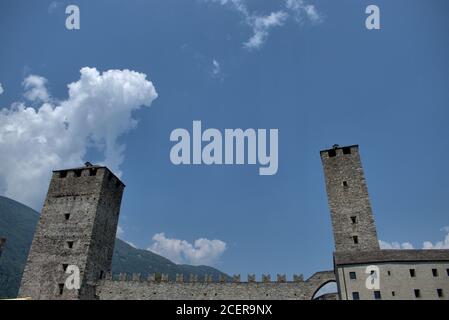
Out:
{"x": 435, "y": 272}
{"x": 412, "y": 273}
{"x": 440, "y": 293}
{"x": 67, "y": 216}
{"x": 354, "y": 219}
{"x": 355, "y": 296}
{"x": 417, "y": 293}
{"x": 332, "y": 153}
{"x": 62, "y": 174}
{"x": 70, "y": 244}
{"x": 345, "y": 183}
{"x": 377, "y": 295}
{"x": 93, "y": 172}
{"x": 352, "y": 275}
{"x": 78, "y": 172}
{"x": 355, "y": 239}
{"x": 61, "y": 288}
{"x": 346, "y": 150}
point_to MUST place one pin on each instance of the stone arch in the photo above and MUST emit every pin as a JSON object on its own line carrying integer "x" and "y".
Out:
{"x": 317, "y": 281}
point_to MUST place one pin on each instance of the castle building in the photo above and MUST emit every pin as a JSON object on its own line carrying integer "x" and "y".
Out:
{"x": 362, "y": 269}
{"x": 75, "y": 236}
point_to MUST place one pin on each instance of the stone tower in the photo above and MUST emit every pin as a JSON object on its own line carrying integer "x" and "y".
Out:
{"x": 77, "y": 227}
{"x": 352, "y": 218}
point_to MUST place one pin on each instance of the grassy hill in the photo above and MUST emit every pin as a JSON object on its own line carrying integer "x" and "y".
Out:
{"x": 17, "y": 224}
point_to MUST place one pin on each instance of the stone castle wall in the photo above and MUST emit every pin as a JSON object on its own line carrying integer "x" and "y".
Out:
{"x": 138, "y": 289}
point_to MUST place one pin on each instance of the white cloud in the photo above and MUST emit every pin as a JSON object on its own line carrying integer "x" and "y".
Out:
{"x": 1, "y": 89}
{"x": 300, "y": 8}
{"x": 216, "y": 69}
{"x": 201, "y": 252}
{"x": 444, "y": 244}
{"x": 395, "y": 245}
{"x": 439, "y": 244}
{"x": 36, "y": 140}
{"x": 35, "y": 88}
{"x": 261, "y": 25}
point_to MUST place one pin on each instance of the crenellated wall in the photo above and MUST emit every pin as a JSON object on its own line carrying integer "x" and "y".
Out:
{"x": 134, "y": 288}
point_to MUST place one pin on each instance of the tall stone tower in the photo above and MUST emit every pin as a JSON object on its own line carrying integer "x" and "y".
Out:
{"x": 352, "y": 218}
{"x": 77, "y": 227}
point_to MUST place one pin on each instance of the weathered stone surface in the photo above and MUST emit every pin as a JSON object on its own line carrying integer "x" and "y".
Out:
{"x": 77, "y": 227}
{"x": 352, "y": 219}
{"x": 129, "y": 290}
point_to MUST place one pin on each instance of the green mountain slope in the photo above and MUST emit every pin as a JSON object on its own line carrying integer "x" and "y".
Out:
{"x": 17, "y": 224}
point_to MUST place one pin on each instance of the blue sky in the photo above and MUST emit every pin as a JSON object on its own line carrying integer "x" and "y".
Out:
{"x": 320, "y": 80}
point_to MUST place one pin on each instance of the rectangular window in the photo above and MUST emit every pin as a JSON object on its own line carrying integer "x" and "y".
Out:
{"x": 377, "y": 295}
{"x": 355, "y": 296}
{"x": 435, "y": 272}
{"x": 447, "y": 271}
{"x": 331, "y": 153}
{"x": 64, "y": 266}
{"x": 70, "y": 244}
{"x": 354, "y": 219}
{"x": 417, "y": 293}
{"x": 346, "y": 150}
{"x": 355, "y": 239}
{"x": 78, "y": 172}
{"x": 389, "y": 272}
{"x": 67, "y": 216}
{"x": 345, "y": 183}
{"x": 61, "y": 288}
{"x": 393, "y": 293}
{"x": 440, "y": 293}
{"x": 352, "y": 275}
{"x": 412, "y": 273}
{"x": 62, "y": 174}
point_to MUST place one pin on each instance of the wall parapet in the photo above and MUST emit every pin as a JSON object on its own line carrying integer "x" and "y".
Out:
{"x": 207, "y": 278}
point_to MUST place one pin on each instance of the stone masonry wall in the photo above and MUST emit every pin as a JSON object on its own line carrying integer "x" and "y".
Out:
{"x": 137, "y": 289}
{"x": 352, "y": 219}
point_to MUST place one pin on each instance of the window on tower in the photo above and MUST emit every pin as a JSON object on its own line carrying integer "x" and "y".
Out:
{"x": 61, "y": 288}
{"x": 355, "y": 239}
